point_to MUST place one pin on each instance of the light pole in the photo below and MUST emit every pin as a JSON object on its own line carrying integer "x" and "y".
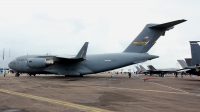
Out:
{"x": 3, "y": 59}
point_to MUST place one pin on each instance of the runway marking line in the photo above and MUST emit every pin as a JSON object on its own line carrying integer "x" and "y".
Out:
{"x": 78, "y": 106}
{"x": 169, "y": 87}
{"x": 184, "y": 93}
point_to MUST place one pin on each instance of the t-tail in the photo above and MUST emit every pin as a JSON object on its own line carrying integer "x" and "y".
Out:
{"x": 149, "y": 35}
{"x": 195, "y": 52}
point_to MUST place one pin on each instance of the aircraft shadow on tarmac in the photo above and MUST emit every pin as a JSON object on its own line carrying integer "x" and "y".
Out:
{"x": 71, "y": 78}
{"x": 193, "y": 80}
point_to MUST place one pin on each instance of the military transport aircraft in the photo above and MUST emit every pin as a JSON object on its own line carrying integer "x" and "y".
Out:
{"x": 83, "y": 64}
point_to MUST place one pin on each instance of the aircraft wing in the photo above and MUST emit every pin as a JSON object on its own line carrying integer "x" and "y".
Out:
{"x": 72, "y": 57}
{"x": 80, "y": 56}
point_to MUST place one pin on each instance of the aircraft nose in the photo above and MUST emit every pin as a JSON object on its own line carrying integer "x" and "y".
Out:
{"x": 10, "y": 65}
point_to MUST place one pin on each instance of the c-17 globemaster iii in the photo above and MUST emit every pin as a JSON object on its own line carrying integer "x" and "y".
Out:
{"x": 83, "y": 64}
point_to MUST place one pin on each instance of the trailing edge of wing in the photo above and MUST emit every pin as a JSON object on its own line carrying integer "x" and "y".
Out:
{"x": 168, "y": 25}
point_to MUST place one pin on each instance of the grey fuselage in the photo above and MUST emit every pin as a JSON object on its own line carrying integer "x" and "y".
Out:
{"x": 91, "y": 64}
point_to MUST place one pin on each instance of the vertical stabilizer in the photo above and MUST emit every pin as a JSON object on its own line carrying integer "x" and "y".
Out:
{"x": 188, "y": 61}
{"x": 150, "y": 67}
{"x": 143, "y": 69}
{"x": 182, "y": 63}
{"x": 138, "y": 69}
{"x": 83, "y": 51}
{"x": 147, "y": 38}
{"x": 195, "y": 52}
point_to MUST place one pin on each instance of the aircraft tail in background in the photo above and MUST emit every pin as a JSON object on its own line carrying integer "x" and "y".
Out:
{"x": 182, "y": 63}
{"x": 138, "y": 69}
{"x": 188, "y": 61}
{"x": 195, "y": 52}
{"x": 150, "y": 67}
{"x": 143, "y": 69}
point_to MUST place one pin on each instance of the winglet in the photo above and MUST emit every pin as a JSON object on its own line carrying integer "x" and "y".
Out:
{"x": 168, "y": 25}
{"x": 83, "y": 51}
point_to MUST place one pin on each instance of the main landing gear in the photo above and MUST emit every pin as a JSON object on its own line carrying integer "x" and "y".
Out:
{"x": 32, "y": 74}
{"x": 17, "y": 74}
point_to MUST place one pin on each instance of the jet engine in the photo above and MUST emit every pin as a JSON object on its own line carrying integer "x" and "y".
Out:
{"x": 39, "y": 62}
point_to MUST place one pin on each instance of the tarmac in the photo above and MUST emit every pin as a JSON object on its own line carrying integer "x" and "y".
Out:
{"x": 99, "y": 93}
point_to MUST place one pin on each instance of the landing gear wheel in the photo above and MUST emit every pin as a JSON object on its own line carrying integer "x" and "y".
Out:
{"x": 80, "y": 75}
{"x": 17, "y": 74}
{"x": 34, "y": 74}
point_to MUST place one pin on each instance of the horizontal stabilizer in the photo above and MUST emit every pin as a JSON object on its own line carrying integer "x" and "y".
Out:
{"x": 168, "y": 25}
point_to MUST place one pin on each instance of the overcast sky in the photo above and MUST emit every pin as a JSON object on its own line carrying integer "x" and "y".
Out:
{"x": 62, "y": 26}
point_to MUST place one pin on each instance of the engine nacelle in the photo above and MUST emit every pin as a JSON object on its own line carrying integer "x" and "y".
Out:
{"x": 39, "y": 62}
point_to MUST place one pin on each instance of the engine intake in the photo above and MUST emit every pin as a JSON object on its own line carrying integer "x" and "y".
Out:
{"x": 39, "y": 62}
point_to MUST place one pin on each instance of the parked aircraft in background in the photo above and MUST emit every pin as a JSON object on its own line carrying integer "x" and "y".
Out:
{"x": 193, "y": 66}
{"x": 138, "y": 70}
{"x": 143, "y": 70}
{"x": 188, "y": 61}
{"x": 153, "y": 70}
{"x": 83, "y": 64}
